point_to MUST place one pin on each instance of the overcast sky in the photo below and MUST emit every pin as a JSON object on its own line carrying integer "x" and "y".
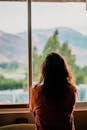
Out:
{"x": 13, "y": 16}
{"x": 49, "y": 15}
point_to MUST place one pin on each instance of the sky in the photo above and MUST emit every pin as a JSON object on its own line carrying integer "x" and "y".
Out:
{"x": 50, "y": 15}
{"x": 14, "y": 16}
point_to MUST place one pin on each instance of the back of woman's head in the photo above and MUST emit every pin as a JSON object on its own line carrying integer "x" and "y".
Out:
{"x": 56, "y": 76}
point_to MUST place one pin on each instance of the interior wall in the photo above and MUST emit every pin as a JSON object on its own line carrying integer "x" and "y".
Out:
{"x": 80, "y": 118}
{"x": 15, "y": 118}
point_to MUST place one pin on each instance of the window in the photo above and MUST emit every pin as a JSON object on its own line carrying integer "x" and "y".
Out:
{"x": 67, "y": 21}
{"x": 14, "y": 88}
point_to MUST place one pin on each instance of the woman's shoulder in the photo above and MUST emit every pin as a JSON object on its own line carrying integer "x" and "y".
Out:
{"x": 36, "y": 93}
{"x": 36, "y": 88}
{"x": 73, "y": 89}
{"x": 72, "y": 92}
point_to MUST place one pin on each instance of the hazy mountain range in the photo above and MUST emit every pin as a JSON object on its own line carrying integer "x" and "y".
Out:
{"x": 14, "y": 46}
{"x": 76, "y": 40}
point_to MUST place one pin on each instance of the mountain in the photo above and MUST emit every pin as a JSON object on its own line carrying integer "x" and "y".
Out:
{"x": 14, "y": 46}
{"x": 76, "y": 41}
{"x": 73, "y": 37}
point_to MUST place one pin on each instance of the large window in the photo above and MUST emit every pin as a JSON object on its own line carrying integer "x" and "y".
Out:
{"x": 68, "y": 23}
{"x": 13, "y": 53}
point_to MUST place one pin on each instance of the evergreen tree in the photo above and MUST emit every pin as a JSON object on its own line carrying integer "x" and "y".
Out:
{"x": 67, "y": 53}
{"x": 78, "y": 72}
{"x": 52, "y": 45}
{"x": 36, "y": 60}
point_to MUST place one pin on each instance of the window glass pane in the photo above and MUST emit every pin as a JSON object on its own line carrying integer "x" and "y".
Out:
{"x": 13, "y": 53}
{"x": 68, "y": 22}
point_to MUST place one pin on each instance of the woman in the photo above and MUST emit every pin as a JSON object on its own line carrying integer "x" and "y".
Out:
{"x": 52, "y": 99}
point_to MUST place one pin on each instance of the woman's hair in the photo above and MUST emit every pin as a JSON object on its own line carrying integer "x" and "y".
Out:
{"x": 56, "y": 77}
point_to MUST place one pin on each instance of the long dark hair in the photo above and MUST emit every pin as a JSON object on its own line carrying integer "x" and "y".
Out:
{"x": 56, "y": 77}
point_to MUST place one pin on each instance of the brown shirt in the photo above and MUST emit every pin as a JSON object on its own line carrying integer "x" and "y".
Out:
{"x": 48, "y": 115}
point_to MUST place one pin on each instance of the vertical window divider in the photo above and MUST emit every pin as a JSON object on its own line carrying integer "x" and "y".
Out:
{"x": 29, "y": 44}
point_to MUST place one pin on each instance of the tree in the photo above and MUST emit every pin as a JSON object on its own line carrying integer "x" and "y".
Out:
{"x": 80, "y": 74}
{"x": 36, "y": 60}
{"x": 52, "y": 45}
{"x": 67, "y": 53}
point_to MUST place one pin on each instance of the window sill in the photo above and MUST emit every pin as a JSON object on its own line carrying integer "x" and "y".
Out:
{"x": 81, "y": 106}
{"x": 14, "y": 110}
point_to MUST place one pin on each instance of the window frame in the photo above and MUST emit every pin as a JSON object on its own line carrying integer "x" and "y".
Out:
{"x": 13, "y": 106}
{"x": 79, "y": 105}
